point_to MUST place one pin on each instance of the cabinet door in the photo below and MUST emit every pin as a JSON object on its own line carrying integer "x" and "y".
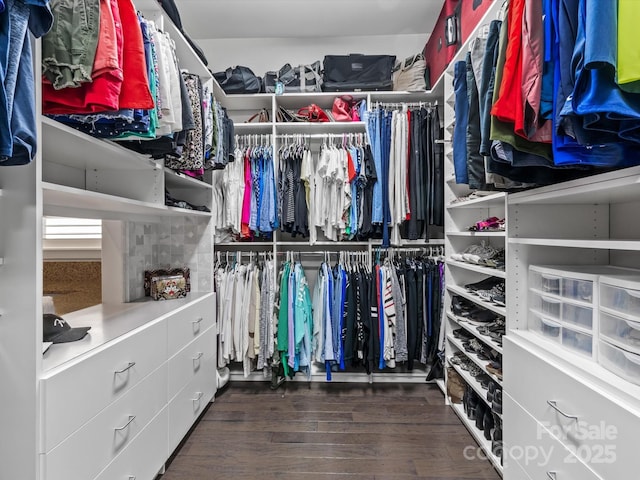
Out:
{"x": 190, "y": 323}
{"x": 73, "y": 395}
{"x": 85, "y": 453}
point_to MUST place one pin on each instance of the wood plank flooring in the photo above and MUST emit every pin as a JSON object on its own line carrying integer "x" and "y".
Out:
{"x": 328, "y": 431}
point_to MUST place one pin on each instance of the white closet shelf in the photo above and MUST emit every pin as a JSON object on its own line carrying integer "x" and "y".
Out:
{"x": 475, "y": 299}
{"x": 475, "y": 234}
{"x": 478, "y": 436}
{"x": 481, "y": 364}
{"x": 485, "y": 201}
{"x": 411, "y": 243}
{"x": 180, "y": 180}
{"x": 252, "y": 102}
{"x": 477, "y": 268}
{"x": 323, "y": 244}
{"x": 320, "y": 127}
{"x": 433, "y": 95}
{"x": 250, "y": 128}
{"x": 619, "y": 186}
{"x": 604, "y": 244}
{"x": 66, "y": 201}
{"x": 472, "y": 382}
{"x": 110, "y": 321}
{"x": 67, "y": 146}
{"x": 240, "y": 245}
{"x": 488, "y": 341}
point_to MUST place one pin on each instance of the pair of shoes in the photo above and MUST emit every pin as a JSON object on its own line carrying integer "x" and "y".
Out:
{"x": 462, "y": 334}
{"x": 495, "y": 368}
{"x": 491, "y": 224}
{"x": 471, "y": 402}
{"x": 496, "y": 440}
{"x": 494, "y": 294}
{"x": 498, "y": 325}
{"x": 484, "y": 284}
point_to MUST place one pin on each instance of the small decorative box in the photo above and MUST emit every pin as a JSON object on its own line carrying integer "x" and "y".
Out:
{"x": 149, "y": 275}
{"x": 168, "y": 287}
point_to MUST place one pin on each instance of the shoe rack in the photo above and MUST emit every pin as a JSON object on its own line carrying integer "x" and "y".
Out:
{"x": 468, "y": 343}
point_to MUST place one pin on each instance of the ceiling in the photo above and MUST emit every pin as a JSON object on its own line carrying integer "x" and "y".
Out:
{"x": 215, "y": 19}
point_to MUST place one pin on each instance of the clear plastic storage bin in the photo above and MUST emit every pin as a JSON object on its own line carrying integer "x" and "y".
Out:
{"x": 577, "y": 341}
{"x": 577, "y": 315}
{"x": 621, "y": 299}
{"x": 622, "y": 363}
{"x": 621, "y": 332}
{"x": 550, "y": 284}
{"x": 577, "y": 289}
{"x": 549, "y": 307}
{"x": 545, "y": 327}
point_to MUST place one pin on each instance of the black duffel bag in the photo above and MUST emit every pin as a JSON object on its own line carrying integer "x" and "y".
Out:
{"x": 238, "y": 80}
{"x": 356, "y": 72}
{"x": 293, "y": 80}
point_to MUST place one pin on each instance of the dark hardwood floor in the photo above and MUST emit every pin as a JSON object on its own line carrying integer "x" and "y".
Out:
{"x": 328, "y": 431}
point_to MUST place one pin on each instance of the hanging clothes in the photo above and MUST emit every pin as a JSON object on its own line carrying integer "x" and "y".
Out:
{"x": 245, "y": 192}
{"x": 17, "y": 98}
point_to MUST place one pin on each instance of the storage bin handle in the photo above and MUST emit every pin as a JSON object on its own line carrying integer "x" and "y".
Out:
{"x": 632, "y": 324}
{"x": 552, "y": 475}
{"x": 633, "y": 293}
{"x": 631, "y": 357}
{"x": 132, "y": 477}
{"x": 131, "y": 419}
{"x": 197, "y": 321}
{"x": 553, "y": 404}
{"x": 198, "y": 356}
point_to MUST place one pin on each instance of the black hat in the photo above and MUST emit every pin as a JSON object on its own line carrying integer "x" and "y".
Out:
{"x": 55, "y": 329}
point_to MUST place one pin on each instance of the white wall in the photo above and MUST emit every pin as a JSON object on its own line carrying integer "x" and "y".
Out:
{"x": 265, "y": 54}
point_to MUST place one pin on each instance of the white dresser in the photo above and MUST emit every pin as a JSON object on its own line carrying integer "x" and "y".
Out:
{"x": 120, "y": 409}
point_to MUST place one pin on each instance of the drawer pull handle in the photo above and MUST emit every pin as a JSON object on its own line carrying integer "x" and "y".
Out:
{"x": 131, "y": 419}
{"x": 132, "y": 477}
{"x": 198, "y": 356}
{"x": 129, "y": 366}
{"x": 198, "y": 321}
{"x": 552, "y": 475}
{"x": 198, "y": 397}
{"x": 553, "y": 404}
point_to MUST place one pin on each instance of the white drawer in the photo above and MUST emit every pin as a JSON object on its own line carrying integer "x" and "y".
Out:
{"x": 623, "y": 297}
{"x": 530, "y": 446}
{"x": 85, "y": 453}
{"x": 189, "y": 323}
{"x": 620, "y": 331}
{"x": 146, "y": 455}
{"x": 602, "y": 421}
{"x": 187, "y": 405}
{"x": 75, "y": 394}
{"x": 187, "y": 362}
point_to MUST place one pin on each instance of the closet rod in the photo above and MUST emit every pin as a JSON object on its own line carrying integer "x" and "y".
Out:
{"x": 405, "y": 104}
{"x": 293, "y": 136}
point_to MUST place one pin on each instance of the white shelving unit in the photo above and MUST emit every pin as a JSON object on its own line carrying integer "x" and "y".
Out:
{"x": 241, "y": 107}
{"x": 463, "y": 211}
{"x": 76, "y": 175}
{"x": 582, "y": 222}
